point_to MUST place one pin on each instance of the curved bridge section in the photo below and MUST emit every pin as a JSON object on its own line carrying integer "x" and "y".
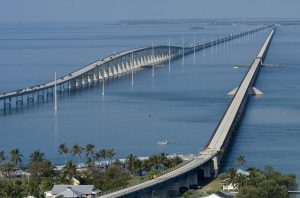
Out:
{"x": 173, "y": 176}
{"x": 209, "y": 160}
{"x": 109, "y": 67}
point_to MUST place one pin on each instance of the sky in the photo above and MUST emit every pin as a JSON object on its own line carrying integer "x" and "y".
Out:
{"x": 103, "y": 10}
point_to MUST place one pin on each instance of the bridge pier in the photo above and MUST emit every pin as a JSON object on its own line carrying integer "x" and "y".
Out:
{"x": 19, "y": 101}
{"x": 49, "y": 94}
{"x": 40, "y": 97}
{"x": 7, "y": 105}
{"x": 30, "y": 100}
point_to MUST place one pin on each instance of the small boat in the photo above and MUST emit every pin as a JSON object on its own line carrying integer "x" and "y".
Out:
{"x": 163, "y": 142}
{"x": 235, "y": 67}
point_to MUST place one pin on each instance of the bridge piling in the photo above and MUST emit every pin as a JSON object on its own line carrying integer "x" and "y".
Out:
{"x": 119, "y": 64}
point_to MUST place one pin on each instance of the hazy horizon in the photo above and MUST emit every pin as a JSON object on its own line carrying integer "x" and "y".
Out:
{"x": 116, "y": 10}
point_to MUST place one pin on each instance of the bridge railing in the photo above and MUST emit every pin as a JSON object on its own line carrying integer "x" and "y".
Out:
{"x": 148, "y": 179}
{"x": 211, "y": 137}
{"x": 219, "y": 122}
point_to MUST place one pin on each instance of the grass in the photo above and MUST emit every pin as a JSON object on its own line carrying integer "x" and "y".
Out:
{"x": 134, "y": 180}
{"x": 209, "y": 186}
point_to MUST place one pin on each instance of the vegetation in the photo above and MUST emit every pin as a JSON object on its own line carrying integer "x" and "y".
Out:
{"x": 257, "y": 183}
{"x": 39, "y": 175}
{"x": 266, "y": 183}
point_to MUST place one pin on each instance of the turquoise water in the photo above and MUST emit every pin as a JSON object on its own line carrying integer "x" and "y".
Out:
{"x": 182, "y": 106}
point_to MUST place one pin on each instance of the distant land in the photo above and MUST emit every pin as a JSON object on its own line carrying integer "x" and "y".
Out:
{"x": 209, "y": 21}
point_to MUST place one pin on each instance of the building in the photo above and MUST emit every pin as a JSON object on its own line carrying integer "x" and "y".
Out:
{"x": 71, "y": 191}
{"x": 220, "y": 195}
{"x": 234, "y": 187}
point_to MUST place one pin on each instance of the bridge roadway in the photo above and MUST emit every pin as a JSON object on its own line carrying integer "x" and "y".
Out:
{"x": 222, "y": 134}
{"x": 219, "y": 140}
{"x": 115, "y": 65}
{"x": 192, "y": 165}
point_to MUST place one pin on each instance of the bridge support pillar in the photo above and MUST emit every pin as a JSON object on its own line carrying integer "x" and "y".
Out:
{"x": 105, "y": 75}
{"x": 123, "y": 68}
{"x": 84, "y": 79}
{"x": 208, "y": 170}
{"x": 19, "y": 101}
{"x": 89, "y": 79}
{"x": 95, "y": 79}
{"x": 110, "y": 73}
{"x": 115, "y": 72}
{"x": 216, "y": 163}
{"x": 30, "y": 99}
{"x": 135, "y": 65}
{"x": 7, "y": 105}
{"x": 119, "y": 70}
{"x": 160, "y": 193}
{"x": 192, "y": 179}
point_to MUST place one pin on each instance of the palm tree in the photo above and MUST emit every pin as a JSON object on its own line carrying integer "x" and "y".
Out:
{"x": 231, "y": 176}
{"x": 98, "y": 157}
{"x": 36, "y": 156}
{"x": 2, "y": 157}
{"x": 162, "y": 158}
{"x": 90, "y": 162}
{"x": 16, "y": 157}
{"x": 130, "y": 162}
{"x": 70, "y": 169}
{"x": 90, "y": 150}
{"x": 77, "y": 150}
{"x": 110, "y": 153}
{"x": 103, "y": 153}
{"x": 241, "y": 160}
{"x": 63, "y": 150}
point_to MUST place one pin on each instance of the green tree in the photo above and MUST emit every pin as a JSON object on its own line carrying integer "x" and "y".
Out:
{"x": 63, "y": 150}
{"x": 39, "y": 169}
{"x": 2, "y": 157}
{"x": 16, "y": 157}
{"x": 101, "y": 154}
{"x": 77, "y": 150}
{"x": 267, "y": 183}
{"x": 98, "y": 157}
{"x": 131, "y": 161}
{"x": 46, "y": 184}
{"x": 241, "y": 160}
{"x": 12, "y": 189}
{"x": 90, "y": 162}
{"x": 232, "y": 176}
{"x": 110, "y": 153}
{"x": 114, "y": 177}
{"x": 90, "y": 150}
{"x": 7, "y": 168}
{"x": 37, "y": 156}
{"x": 69, "y": 170}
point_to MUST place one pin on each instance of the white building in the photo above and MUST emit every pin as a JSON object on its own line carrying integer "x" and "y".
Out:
{"x": 71, "y": 191}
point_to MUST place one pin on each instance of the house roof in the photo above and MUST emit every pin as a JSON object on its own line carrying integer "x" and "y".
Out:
{"x": 220, "y": 195}
{"x": 69, "y": 192}
{"x": 242, "y": 172}
{"x": 83, "y": 189}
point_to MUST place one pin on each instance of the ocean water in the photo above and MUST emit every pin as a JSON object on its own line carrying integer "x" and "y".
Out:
{"x": 270, "y": 130}
{"x": 182, "y": 106}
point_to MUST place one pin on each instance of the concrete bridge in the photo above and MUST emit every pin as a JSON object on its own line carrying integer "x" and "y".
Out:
{"x": 209, "y": 161}
{"x": 116, "y": 65}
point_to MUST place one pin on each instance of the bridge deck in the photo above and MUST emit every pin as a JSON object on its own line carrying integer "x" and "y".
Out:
{"x": 67, "y": 77}
{"x": 230, "y": 115}
{"x": 220, "y": 134}
{"x": 90, "y": 67}
{"x": 197, "y": 162}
